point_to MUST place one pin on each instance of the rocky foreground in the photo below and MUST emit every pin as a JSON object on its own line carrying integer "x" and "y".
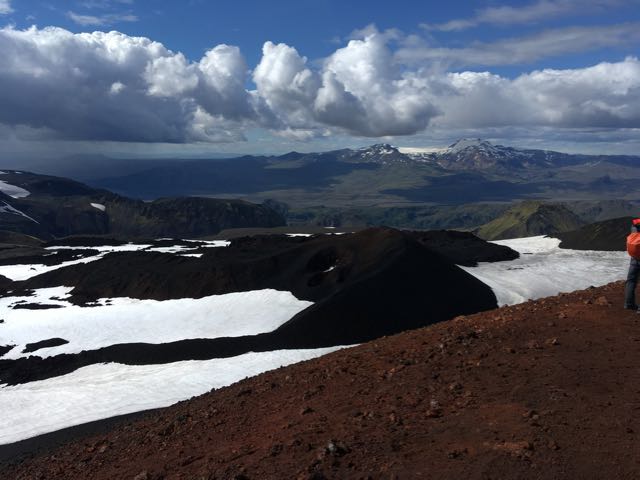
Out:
{"x": 546, "y": 389}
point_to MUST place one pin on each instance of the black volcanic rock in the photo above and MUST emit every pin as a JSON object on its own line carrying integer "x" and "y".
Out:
{"x": 5, "y": 284}
{"x": 85, "y": 241}
{"x": 311, "y": 268}
{"x": 36, "y": 306}
{"x": 42, "y": 257}
{"x": 51, "y": 342}
{"x": 4, "y": 349}
{"x": 464, "y": 248}
{"x": 365, "y": 285}
{"x": 609, "y": 235}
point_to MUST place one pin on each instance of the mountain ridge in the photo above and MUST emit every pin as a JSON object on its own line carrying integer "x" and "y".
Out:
{"x": 47, "y": 207}
{"x": 382, "y": 174}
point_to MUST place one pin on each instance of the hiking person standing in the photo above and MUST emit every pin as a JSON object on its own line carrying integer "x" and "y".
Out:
{"x": 633, "y": 248}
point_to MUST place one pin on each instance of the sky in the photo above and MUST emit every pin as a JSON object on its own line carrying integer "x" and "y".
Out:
{"x": 195, "y": 78}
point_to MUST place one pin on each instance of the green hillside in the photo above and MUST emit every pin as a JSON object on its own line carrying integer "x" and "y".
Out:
{"x": 530, "y": 218}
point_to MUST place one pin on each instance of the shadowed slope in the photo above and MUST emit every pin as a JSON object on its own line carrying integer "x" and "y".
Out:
{"x": 609, "y": 235}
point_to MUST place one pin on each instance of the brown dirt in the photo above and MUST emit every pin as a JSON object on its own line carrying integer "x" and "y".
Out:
{"x": 546, "y": 389}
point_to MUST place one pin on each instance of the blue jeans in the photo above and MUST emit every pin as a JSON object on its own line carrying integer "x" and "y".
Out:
{"x": 632, "y": 281}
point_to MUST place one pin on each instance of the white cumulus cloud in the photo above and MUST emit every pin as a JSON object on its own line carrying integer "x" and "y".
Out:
{"x": 101, "y": 86}
{"x": 606, "y": 95}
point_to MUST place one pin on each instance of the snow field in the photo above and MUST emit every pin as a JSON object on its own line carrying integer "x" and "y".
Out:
{"x": 127, "y": 320}
{"x": 544, "y": 269}
{"x": 106, "y": 390}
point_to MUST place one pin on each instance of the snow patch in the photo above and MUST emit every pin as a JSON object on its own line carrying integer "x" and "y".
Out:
{"x": 127, "y": 320}
{"x": 13, "y": 190}
{"x": 127, "y": 247}
{"x": 173, "y": 249}
{"x": 99, "y": 206}
{"x": 106, "y": 390}
{"x": 24, "y": 272}
{"x": 544, "y": 269}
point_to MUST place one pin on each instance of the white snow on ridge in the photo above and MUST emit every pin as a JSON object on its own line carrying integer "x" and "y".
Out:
{"x": 133, "y": 247}
{"x": 51, "y": 295}
{"x": 99, "y": 206}
{"x": 172, "y": 249}
{"x": 106, "y": 390}
{"x": 544, "y": 269}
{"x": 24, "y": 272}
{"x": 127, "y": 247}
{"x": 127, "y": 320}
{"x": 13, "y": 190}
{"x": 6, "y": 208}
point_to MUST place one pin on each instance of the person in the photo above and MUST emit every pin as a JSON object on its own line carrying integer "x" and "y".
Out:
{"x": 632, "y": 275}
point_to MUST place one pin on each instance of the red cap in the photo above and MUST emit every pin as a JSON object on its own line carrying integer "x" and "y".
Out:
{"x": 636, "y": 221}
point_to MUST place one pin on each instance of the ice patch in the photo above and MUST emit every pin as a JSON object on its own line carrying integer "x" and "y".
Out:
{"x": 544, "y": 269}
{"x": 127, "y": 320}
{"x": 106, "y": 390}
{"x": 13, "y": 190}
{"x": 99, "y": 206}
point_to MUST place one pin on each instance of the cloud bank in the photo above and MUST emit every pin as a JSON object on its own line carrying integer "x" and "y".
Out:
{"x": 114, "y": 87}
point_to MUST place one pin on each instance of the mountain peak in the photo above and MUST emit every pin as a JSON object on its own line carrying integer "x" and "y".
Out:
{"x": 380, "y": 148}
{"x": 465, "y": 143}
{"x": 379, "y": 153}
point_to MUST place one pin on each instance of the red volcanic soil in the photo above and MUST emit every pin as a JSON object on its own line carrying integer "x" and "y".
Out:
{"x": 547, "y": 389}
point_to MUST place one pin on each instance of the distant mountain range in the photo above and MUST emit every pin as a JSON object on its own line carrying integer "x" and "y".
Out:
{"x": 470, "y": 170}
{"x": 466, "y": 185}
{"x": 48, "y": 207}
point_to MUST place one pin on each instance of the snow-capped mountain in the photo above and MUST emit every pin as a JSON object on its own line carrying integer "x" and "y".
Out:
{"x": 471, "y": 154}
{"x": 379, "y": 153}
{"x": 466, "y": 171}
{"x": 479, "y": 154}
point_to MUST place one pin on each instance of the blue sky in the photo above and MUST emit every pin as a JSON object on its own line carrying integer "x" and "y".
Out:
{"x": 267, "y": 77}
